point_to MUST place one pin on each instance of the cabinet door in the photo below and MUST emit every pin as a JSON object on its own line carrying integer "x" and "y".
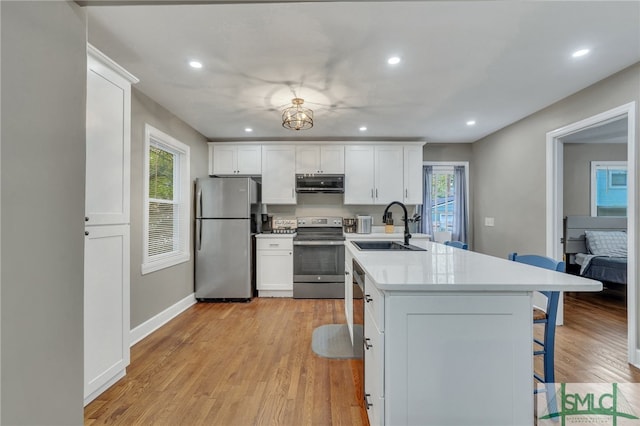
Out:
{"x": 389, "y": 174}
{"x": 308, "y": 159}
{"x": 278, "y": 174}
{"x": 225, "y": 161}
{"x": 275, "y": 270}
{"x": 332, "y": 159}
{"x": 413, "y": 175}
{"x": 108, "y": 134}
{"x": 249, "y": 159}
{"x": 106, "y": 306}
{"x": 373, "y": 371}
{"x": 359, "y": 161}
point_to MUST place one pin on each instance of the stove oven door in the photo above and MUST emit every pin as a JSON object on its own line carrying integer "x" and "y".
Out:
{"x": 318, "y": 269}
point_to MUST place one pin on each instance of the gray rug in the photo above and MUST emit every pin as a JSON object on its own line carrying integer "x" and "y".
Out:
{"x": 333, "y": 341}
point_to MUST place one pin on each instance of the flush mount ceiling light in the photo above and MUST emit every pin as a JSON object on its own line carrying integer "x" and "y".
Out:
{"x": 394, "y": 60}
{"x": 195, "y": 64}
{"x": 471, "y": 123}
{"x": 296, "y": 117}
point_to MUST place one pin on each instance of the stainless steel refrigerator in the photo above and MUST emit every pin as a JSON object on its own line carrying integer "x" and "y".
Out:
{"x": 226, "y": 212}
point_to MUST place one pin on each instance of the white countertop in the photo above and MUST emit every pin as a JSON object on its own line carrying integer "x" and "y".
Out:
{"x": 444, "y": 268}
{"x": 383, "y": 235}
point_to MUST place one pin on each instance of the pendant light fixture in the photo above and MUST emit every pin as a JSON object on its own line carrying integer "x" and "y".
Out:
{"x": 296, "y": 117}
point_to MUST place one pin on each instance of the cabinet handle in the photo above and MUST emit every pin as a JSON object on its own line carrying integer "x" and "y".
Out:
{"x": 346, "y": 272}
{"x": 367, "y": 343}
{"x": 274, "y": 245}
{"x": 86, "y": 232}
{"x": 406, "y": 193}
{"x": 86, "y": 218}
{"x": 371, "y": 192}
{"x": 367, "y": 404}
{"x": 367, "y": 298}
{"x": 376, "y": 192}
{"x": 292, "y": 193}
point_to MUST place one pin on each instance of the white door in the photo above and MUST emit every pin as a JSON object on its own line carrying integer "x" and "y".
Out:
{"x": 275, "y": 270}
{"x": 308, "y": 159}
{"x": 359, "y": 184}
{"x": 389, "y": 175}
{"x": 249, "y": 159}
{"x": 224, "y": 160}
{"x": 108, "y": 146}
{"x": 106, "y": 305}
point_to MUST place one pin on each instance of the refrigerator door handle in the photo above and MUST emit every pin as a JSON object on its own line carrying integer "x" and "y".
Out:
{"x": 199, "y": 234}
{"x": 199, "y": 203}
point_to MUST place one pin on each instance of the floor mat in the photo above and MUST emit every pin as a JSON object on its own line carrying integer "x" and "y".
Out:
{"x": 333, "y": 341}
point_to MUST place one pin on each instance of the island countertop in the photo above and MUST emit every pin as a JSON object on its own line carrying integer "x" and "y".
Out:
{"x": 444, "y": 268}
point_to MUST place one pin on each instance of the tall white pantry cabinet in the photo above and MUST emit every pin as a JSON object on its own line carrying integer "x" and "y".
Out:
{"x": 106, "y": 263}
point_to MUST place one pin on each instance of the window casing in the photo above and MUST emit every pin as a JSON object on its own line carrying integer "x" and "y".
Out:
{"x": 609, "y": 188}
{"x": 167, "y": 209}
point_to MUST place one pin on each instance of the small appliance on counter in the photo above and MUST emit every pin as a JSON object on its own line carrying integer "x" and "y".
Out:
{"x": 363, "y": 224}
{"x": 349, "y": 224}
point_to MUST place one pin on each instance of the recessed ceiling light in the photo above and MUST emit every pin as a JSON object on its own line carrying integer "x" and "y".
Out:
{"x": 363, "y": 128}
{"x": 471, "y": 123}
{"x": 195, "y": 64}
{"x": 248, "y": 129}
{"x": 579, "y": 53}
{"x": 394, "y": 60}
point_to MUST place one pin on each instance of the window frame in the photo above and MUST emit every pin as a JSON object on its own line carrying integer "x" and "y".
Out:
{"x": 182, "y": 194}
{"x": 445, "y": 166}
{"x": 610, "y": 166}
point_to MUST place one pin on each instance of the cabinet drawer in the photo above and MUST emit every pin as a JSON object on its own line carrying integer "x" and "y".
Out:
{"x": 374, "y": 302}
{"x": 275, "y": 244}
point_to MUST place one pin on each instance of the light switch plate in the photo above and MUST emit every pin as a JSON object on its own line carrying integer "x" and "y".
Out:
{"x": 489, "y": 221}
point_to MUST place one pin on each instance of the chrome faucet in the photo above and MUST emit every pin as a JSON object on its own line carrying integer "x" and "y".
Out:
{"x": 407, "y": 235}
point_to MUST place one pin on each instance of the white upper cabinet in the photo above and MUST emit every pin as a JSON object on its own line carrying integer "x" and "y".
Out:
{"x": 320, "y": 159}
{"x": 108, "y": 152}
{"x": 413, "y": 175}
{"x": 359, "y": 181}
{"x": 373, "y": 174}
{"x": 388, "y": 173}
{"x": 278, "y": 174}
{"x": 226, "y": 159}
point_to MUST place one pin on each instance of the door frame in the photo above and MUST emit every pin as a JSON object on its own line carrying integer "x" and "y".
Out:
{"x": 554, "y": 211}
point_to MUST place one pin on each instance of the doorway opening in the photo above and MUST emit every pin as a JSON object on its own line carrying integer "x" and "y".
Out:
{"x": 556, "y": 140}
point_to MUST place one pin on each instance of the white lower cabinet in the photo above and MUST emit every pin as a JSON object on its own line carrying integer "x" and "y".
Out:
{"x": 274, "y": 267}
{"x": 106, "y": 307}
{"x": 374, "y": 369}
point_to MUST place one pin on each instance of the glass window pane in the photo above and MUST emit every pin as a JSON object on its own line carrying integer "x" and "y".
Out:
{"x": 161, "y": 167}
{"x": 161, "y": 227}
{"x": 611, "y": 191}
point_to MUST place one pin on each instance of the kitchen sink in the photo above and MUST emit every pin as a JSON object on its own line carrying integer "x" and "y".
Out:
{"x": 385, "y": 245}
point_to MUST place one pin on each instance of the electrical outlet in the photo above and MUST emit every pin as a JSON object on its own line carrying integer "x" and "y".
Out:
{"x": 489, "y": 221}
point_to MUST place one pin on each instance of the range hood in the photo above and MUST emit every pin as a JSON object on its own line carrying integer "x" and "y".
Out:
{"x": 328, "y": 184}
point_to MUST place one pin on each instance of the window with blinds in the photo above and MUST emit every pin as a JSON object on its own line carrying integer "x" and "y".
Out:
{"x": 167, "y": 211}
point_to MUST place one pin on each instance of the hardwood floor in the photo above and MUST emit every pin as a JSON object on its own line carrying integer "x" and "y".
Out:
{"x": 252, "y": 364}
{"x": 236, "y": 364}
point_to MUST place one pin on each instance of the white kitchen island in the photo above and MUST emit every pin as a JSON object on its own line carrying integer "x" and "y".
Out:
{"x": 448, "y": 335}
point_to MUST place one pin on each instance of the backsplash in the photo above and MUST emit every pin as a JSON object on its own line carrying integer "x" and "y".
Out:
{"x": 332, "y": 205}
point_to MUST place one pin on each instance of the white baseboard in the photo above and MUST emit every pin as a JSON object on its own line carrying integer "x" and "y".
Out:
{"x": 152, "y": 324}
{"x": 105, "y": 386}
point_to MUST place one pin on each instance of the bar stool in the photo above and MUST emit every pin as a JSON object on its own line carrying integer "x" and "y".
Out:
{"x": 546, "y": 316}
{"x": 458, "y": 244}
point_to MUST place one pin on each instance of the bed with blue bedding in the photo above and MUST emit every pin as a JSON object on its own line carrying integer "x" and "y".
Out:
{"x": 596, "y": 247}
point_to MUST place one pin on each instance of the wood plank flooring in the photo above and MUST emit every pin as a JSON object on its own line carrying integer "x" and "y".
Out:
{"x": 252, "y": 364}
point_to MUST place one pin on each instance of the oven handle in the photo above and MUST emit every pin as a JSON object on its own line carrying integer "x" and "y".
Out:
{"x": 318, "y": 243}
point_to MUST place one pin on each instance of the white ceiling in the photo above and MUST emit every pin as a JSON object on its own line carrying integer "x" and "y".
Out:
{"x": 491, "y": 61}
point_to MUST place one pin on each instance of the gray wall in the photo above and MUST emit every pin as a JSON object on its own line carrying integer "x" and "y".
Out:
{"x": 448, "y": 152}
{"x": 43, "y": 174}
{"x": 154, "y": 292}
{"x": 509, "y": 167}
{"x": 577, "y": 172}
